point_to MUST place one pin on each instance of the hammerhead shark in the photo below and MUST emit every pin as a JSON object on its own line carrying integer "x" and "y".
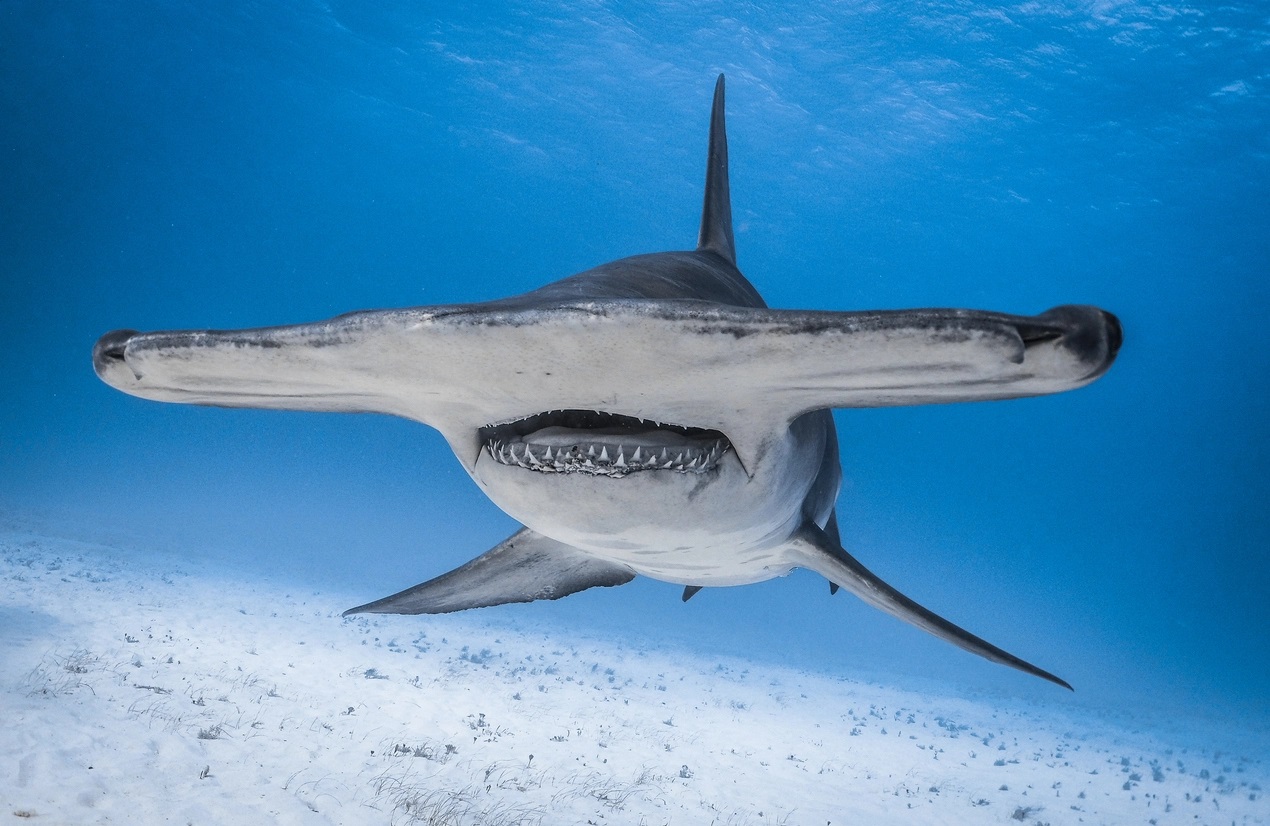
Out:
{"x": 648, "y": 416}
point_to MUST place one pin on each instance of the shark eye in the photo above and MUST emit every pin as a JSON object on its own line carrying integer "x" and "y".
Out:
{"x": 602, "y": 443}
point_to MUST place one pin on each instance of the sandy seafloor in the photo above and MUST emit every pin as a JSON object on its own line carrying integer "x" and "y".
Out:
{"x": 138, "y": 688}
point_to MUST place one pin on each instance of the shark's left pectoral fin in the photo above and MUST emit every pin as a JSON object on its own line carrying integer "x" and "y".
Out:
{"x": 522, "y": 568}
{"x": 815, "y": 551}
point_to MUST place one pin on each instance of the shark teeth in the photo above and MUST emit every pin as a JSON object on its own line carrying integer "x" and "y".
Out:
{"x": 606, "y": 459}
{"x": 601, "y": 443}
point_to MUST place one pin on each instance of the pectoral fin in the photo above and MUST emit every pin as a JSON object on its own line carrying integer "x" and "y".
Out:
{"x": 818, "y": 553}
{"x": 831, "y": 532}
{"x": 522, "y": 568}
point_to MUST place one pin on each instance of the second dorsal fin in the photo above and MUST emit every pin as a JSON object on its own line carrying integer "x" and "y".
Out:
{"x": 716, "y": 214}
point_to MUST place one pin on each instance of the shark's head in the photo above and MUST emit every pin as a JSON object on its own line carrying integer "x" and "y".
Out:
{"x": 591, "y": 420}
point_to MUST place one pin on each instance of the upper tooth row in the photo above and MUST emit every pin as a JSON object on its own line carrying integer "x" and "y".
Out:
{"x": 651, "y": 423}
{"x": 603, "y": 459}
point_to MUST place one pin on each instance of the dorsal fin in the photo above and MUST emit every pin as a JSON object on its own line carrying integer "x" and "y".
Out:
{"x": 716, "y": 214}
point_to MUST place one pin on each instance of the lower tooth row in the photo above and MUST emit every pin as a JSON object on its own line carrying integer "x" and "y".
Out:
{"x": 564, "y": 460}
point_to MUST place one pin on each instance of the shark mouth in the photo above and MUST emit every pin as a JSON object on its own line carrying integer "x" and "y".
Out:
{"x": 602, "y": 444}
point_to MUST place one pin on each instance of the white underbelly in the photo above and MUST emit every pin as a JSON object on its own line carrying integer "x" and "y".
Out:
{"x": 707, "y": 566}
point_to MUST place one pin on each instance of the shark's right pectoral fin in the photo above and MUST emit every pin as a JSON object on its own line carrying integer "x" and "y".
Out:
{"x": 817, "y": 552}
{"x": 526, "y": 566}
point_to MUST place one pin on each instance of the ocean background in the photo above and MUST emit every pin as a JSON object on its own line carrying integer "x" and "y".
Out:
{"x": 185, "y": 165}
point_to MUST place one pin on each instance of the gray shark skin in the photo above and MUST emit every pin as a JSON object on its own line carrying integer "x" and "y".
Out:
{"x": 650, "y": 416}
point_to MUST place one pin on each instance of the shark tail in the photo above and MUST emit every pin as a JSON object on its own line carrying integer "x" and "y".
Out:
{"x": 716, "y": 213}
{"x": 814, "y": 550}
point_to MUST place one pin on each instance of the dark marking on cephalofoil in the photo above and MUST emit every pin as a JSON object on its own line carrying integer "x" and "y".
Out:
{"x": 111, "y": 346}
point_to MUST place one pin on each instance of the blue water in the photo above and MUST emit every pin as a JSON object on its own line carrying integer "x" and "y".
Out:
{"x": 168, "y": 164}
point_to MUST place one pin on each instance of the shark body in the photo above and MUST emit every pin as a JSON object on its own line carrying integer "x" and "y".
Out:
{"x": 650, "y": 416}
